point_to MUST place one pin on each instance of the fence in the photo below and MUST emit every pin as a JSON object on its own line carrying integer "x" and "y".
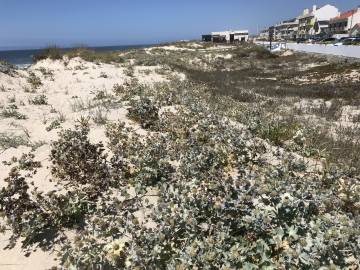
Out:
{"x": 347, "y": 51}
{"x": 344, "y": 50}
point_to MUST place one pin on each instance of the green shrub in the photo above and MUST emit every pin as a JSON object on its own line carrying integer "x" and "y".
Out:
{"x": 39, "y": 100}
{"x": 11, "y": 112}
{"x": 278, "y": 132}
{"x": 7, "y": 68}
{"x": 54, "y": 125}
{"x": 77, "y": 161}
{"x": 53, "y": 53}
{"x": 93, "y": 56}
{"x": 34, "y": 80}
{"x": 12, "y": 141}
{"x": 202, "y": 192}
{"x": 145, "y": 112}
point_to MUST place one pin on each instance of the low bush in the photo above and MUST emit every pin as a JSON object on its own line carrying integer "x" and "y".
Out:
{"x": 7, "y": 68}
{"x": 196, "y": 190}
{"x": 11, "y": 112}
{"x": 264, "y": 217}
{"x": 34, "y": 81}
{"x": 54, "y": 125}
{"x": 39, "y": 100}
{"x": 145, "y": 112}
{"x": 93, "y": 56}
{"x": 99, "y": 116}
{"x": 277, "y": 131}
{"x": 12, "y": 141}
{"x": 77, "y": 161}
{"x": 53, "y": 53}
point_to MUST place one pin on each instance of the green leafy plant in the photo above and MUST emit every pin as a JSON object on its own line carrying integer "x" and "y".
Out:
{"x": 11, "y": 112}
{"x": 144, "y": 111}
{"x": 34, "y": 80}
{"x": 39, "y": 100}
{"x": 206, "y": 182}
{"x": 53, "y": 53}
{"x": 54, "y": 125}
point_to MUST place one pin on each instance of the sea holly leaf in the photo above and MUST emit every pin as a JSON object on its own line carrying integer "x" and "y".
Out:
{"x": 292, "y": 232}
{"x": 305, "y": 258}
{"x": 249, "y": 266}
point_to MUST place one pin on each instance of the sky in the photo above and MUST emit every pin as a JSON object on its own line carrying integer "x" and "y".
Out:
{"x": 39, "y": 23}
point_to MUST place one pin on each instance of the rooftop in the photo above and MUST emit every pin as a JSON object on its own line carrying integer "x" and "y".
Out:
{"x": 230, "y": 32}
{"x": 346, "y": 14}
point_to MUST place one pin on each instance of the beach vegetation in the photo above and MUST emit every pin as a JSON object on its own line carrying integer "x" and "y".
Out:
{"x": 12, "y": 112}
{"x": 91, "y": 55}
{"x": 8, "y": 140}
{"x": 99, "y": 116}
{"x": 54, "y": 125}
{"x": 52, "y": 52}
{"x": 34, "y": 80}
{"x": 39, "y": 100}
{"x": 241, "y": 166}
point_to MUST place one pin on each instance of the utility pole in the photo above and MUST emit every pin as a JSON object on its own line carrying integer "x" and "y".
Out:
{"x": 271, "y": 36}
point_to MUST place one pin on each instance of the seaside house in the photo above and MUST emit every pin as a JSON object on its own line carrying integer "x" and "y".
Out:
{"x": 264, "y": 34}
{"x": 316, "y": 21}
{"x": 342, "y": 24}
{"x": 206, "y": 38}
{"x": 286, "y": 30}
{"x": 230, "y": 36}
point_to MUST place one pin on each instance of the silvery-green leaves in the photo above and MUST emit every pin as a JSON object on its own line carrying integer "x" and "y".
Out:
{"x": 192, "y": 190}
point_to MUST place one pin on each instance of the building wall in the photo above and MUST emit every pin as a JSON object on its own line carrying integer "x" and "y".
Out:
{"x": 264, "y": 35}
{"x": 307, "y": 24}
{"x": 355, "y": 19}
{"x": 348, "y": 51}
{"x": 226, "y": 35}
{"x": 326, "y": 12}
{"x": 241, "y": 37}
{"x": 339, "y": 26}
{"x": 355, "y": 32}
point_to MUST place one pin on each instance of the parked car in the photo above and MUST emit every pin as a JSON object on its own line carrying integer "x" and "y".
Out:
{"x": 317, "y": 39}
{"x": 356, "y": 41}
{"x": 339, "y": 42}
{"x": 301, "y": 40}
{"x": 351, "y": 41}
{"x": 329, "y": 41}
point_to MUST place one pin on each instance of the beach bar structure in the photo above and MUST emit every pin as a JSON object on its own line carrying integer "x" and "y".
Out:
{"x": 227, "y": 36}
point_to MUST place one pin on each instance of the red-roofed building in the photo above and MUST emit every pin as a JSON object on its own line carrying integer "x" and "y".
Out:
{"x": 315, "y": 22}
{"x": 343, "y": 23}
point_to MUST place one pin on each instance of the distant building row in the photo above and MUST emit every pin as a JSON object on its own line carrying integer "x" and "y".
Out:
{"x": 227, "y": 36}
{"x": 326, "y": 21}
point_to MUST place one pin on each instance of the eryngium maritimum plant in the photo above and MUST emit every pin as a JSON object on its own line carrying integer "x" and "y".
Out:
{"x": 195, "y": 194}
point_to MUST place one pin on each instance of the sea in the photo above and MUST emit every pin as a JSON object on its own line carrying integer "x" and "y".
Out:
{"x": 23, "y": 58}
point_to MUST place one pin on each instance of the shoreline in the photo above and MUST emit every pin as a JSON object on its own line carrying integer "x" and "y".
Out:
{"x": 24, "y": 57}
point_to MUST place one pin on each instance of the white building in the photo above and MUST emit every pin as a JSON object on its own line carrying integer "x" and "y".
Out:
{"x": 264, "y": 35}
{"x": 316, "y": 21}
{"x": 343, "y": 23}
{"x": 230, "y": 36}
{"x": 286, "y": 30}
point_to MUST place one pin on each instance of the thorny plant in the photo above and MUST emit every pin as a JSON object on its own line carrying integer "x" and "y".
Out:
{"x": 39, "y": 100}
{"x": 34, "y": 80}
{"x": 195, "y": 194}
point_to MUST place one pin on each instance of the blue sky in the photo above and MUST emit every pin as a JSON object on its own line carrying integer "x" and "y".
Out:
{"x": 37, "y": 23}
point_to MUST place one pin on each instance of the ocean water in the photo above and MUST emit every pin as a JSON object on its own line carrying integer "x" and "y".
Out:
{"x": 24, "y": 57}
